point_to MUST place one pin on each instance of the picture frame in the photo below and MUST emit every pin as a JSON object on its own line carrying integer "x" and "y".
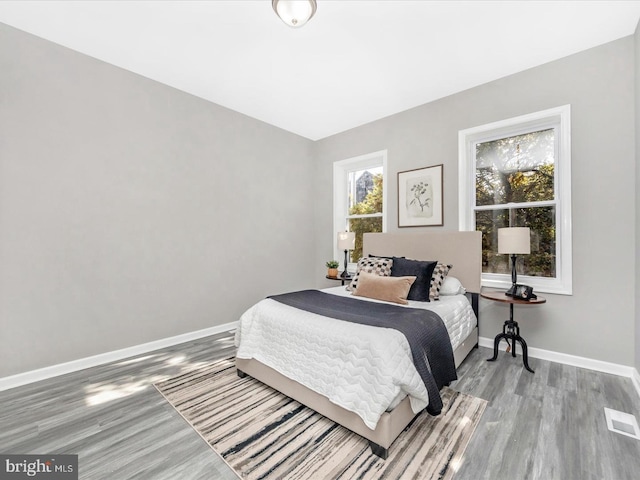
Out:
{"x": 420, "y": 197}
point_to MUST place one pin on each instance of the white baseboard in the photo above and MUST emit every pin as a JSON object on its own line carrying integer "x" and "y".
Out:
{"x": 573, "y": 360}
{"x": 93, "y": 361}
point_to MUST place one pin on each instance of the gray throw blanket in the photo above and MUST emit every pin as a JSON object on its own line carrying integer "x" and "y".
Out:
{"x": 425, "y": 331}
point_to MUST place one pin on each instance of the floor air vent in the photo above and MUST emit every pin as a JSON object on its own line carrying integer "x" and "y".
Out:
{"x": 623, "y": 423}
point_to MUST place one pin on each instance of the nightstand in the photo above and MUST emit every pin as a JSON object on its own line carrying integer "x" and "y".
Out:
{"x": 345, "y": 279}
{"x": 510, "y": 329}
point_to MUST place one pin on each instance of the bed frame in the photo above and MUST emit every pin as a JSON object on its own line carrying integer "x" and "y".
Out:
{"x": 463, "y": 250}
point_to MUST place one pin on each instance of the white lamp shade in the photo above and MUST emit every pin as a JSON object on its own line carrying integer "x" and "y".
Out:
{"x": 514, "y": 240}
{"x": 294, "y": 13}
{"x": 346, "y": 240}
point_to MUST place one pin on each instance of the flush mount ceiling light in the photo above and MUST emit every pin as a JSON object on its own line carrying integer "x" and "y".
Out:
{"x": 294, "y": 13}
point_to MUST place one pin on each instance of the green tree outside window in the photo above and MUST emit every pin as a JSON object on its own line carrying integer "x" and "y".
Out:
{"x": 371, "y": 204}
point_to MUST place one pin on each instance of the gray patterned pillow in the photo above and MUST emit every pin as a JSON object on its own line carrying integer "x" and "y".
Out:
{"x": 376, "y": 265}
{"x": 437, "y": 279}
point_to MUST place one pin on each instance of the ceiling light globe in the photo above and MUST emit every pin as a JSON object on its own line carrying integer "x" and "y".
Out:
{"x": 294, "y": 13}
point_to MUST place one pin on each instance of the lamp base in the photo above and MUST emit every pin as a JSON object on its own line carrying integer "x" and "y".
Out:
{"x": 514, "y": 277}
{"x": 345, "y": 274}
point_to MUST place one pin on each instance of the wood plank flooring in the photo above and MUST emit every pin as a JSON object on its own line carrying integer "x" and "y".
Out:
{"x": 547, "y": 425}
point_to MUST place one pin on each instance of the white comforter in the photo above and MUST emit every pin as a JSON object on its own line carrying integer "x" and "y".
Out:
{"x": 361, "y": 368}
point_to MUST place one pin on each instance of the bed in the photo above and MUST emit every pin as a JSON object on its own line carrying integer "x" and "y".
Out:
{"x": 460, "y": 249}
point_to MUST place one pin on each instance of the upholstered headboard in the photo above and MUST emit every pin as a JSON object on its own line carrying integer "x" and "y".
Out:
{"x": 463, "y": 250}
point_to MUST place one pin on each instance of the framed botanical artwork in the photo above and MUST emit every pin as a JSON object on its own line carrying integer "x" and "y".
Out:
{"x": 420, "y": 197}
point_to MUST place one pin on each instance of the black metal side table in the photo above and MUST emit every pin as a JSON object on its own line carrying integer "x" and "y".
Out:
{"x": 511, "y": 329}
{"x": 343, "y": 279}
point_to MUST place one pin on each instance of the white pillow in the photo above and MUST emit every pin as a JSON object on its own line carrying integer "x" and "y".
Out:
{"x": 452, "y": 286}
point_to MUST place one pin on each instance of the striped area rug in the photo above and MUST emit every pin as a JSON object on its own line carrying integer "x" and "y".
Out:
{"x": 262, "y": 434}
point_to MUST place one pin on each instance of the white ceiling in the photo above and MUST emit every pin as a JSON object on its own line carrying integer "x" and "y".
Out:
{"x": 354, "y": 62}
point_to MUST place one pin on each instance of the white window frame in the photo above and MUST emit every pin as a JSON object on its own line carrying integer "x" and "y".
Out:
{"x": 559, "y": 119}
{"x": 341, "y": 171}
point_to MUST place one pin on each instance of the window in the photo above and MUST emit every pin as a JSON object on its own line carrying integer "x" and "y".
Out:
{"x": 517, "y": 173}
{"x": 359, "y": 204}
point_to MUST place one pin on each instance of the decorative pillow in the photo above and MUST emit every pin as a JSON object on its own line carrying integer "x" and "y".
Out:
{"x": 376, "y": 265}
{"x": 422, "y": 270}
{"x": 437, "y": 279}
{"x": 389, "y": 289}
{"x": 452, "y": 286}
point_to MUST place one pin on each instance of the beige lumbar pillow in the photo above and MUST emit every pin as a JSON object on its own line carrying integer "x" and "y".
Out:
{"x": 389, "y": 289}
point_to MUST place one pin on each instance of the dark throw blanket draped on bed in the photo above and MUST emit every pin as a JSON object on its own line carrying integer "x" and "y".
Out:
{"x": 425, "y": 331}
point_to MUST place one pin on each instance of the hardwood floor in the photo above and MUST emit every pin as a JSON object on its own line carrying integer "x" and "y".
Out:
{"x": 547, "y": 425}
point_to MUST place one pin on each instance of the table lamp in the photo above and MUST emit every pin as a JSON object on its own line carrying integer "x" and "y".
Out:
{"x": 346, "y": 242}
{"x": 514, "y": 241}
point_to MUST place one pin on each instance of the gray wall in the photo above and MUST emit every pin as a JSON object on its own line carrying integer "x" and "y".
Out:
{"x": 131, "y": 211}
{"x": 637, "y": 204}
{"x": 599, "y": 85}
